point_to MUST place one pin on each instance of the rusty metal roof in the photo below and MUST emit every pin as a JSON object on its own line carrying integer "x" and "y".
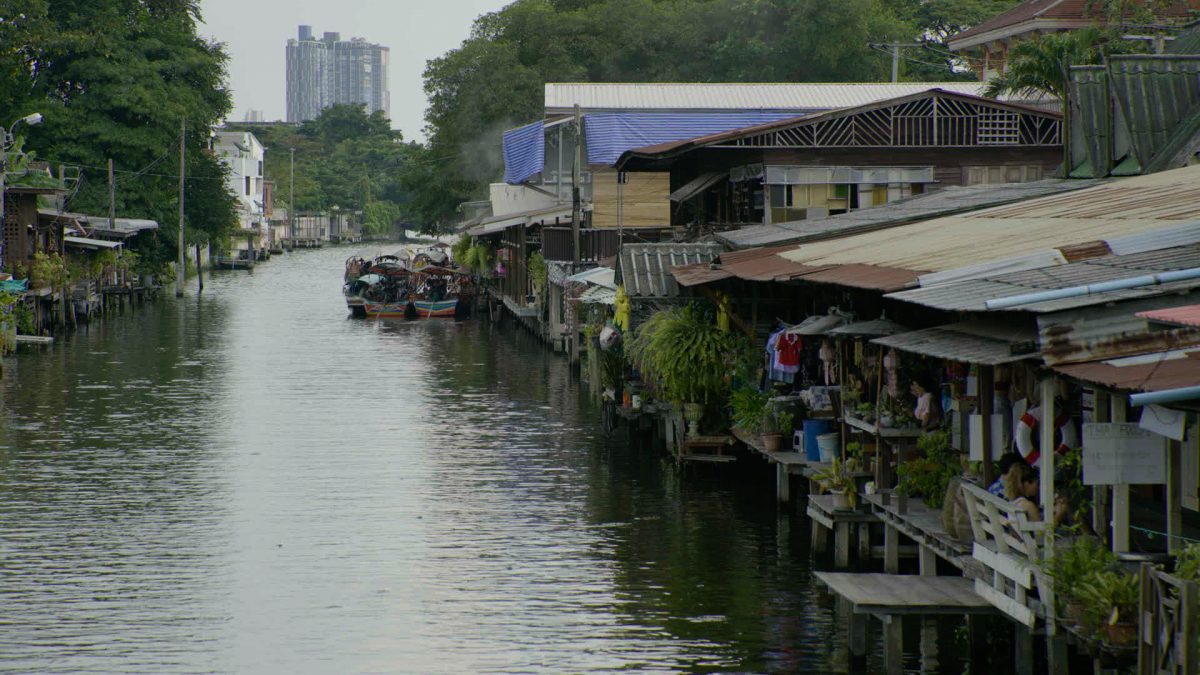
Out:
{"x": 1034, "y": 16}
{"x": 987, "y": 343}
{"x": 943, "y": 202}
{"x": 645, "y": 269}
{"x": 1123, "y": 207}
{"x": 970, "y": 295}
{"x": 1187, "y": 315}
{"x": 765, "y": 264}
{"x": 1170, "y": 369}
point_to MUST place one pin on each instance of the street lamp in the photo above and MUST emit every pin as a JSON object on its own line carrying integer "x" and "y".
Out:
{"x": 6, "y": 141}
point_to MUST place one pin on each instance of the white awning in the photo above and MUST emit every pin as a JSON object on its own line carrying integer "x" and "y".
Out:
{"x": 89, "y": 243}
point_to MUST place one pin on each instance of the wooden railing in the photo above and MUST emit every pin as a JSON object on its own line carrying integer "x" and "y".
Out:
{"x": 1167, "y": 638}
{"x": 1006, "y": 543}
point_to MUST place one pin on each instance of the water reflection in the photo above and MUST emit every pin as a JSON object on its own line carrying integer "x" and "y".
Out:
{"x": 248, "y": 481}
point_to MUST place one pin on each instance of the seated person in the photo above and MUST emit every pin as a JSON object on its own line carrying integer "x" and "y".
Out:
{"x": 1021, "y": 487}
{"x": 1007, "y": 462}
{"x": 928, "y": 412}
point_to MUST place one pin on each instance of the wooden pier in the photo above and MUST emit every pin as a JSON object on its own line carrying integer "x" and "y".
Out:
{"x": 787, "y": 464}
{"x": 843, "y": 524}
{"x": 889, "y": 597}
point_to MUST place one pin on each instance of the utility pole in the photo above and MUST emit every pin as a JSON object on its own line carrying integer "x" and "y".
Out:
{"x": 181, "y": 268}
{"x": 112, "y": 198}
{"x": 576, "y": 196}
{"x": 895, "y": 62}
{"x": 292, "y": 197}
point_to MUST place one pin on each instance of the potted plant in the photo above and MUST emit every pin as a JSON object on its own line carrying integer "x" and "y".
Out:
{"x": 838, "y": 481}
{"x": 749, "y": 410}
{"x": 776, "y": 424}
{"x": 1110, "y": 600}
{"x": 927, "y": 475}
{"x": 1069, "y": 567}
{"x": 687, "y": 355}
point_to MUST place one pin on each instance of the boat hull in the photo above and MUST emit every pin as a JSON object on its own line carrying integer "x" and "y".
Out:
{"x": 421, "y": 309}
{"x": 430, "y": 309}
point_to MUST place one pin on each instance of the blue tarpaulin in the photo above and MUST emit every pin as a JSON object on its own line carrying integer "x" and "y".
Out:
{"x": 611, "y": 134}
{"x": 524, "y": 153}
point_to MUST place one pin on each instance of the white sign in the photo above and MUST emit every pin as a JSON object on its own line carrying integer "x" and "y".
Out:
{"x": 1123, "y": 454}
{"x": 1163, "y": 421}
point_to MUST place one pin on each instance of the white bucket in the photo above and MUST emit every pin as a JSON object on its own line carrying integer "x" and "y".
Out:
{"x": 828, "y": 445}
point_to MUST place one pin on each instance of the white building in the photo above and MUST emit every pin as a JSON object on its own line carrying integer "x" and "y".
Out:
{"x": 244, "y": 155}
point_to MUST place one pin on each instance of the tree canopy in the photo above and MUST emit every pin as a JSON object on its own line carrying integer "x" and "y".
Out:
{"x": 345, "y": 158}
{"x": 115, "y": 79}
{"x": 494, "y": 80}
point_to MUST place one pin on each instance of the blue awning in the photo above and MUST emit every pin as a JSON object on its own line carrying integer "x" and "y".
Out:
{"x": 524, "y": 153}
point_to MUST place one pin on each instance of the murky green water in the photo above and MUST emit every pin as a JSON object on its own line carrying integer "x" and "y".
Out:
{"x": 248, "y": 481}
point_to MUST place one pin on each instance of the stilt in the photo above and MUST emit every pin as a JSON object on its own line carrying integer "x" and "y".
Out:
{"x": 858, "y": 636}
{"x": 891, "y": 549}
{"x": 893, "y": 644}
{"x": 926, "y": 561}
{"x": 864, "y": 543}
{"x": 841, "y": 544}
{"x": 782, "y": 483}
{"x": 1022, "y": 650}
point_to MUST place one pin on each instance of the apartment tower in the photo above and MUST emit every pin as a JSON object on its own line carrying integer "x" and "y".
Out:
{"x": 327, "y": 71}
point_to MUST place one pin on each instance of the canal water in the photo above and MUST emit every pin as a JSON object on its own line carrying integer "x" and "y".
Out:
{"x": 248, "y": 481}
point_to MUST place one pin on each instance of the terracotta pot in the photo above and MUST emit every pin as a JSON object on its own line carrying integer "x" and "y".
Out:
{"x": 1119, "y": 634}
{"x": 771, "y": 442}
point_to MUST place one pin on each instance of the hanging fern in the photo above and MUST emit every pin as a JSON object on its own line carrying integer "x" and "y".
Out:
{"x": 684, "y": 351}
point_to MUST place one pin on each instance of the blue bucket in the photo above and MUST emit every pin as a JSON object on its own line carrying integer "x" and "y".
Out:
{"x": 812, "y": 429}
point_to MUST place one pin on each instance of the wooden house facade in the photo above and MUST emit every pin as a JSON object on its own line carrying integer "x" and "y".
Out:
{"x": 851, "y": 159}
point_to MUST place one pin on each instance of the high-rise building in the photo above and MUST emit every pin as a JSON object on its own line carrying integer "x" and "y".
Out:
{"x": 327, "y": 71}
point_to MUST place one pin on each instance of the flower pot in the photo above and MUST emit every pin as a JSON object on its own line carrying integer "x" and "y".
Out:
{"x": 1119, "y": 635}
{"x": 841, "y": 502}
{"x": 771, "y": 442}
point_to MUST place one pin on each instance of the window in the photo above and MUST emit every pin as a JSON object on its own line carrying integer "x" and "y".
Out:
{"x": 249, "y": 185}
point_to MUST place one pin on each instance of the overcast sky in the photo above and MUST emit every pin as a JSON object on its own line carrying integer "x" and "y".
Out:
{"x": 256, "y": 32}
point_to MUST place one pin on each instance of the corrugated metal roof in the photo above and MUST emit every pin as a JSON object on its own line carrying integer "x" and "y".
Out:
{"x": 1096, "y": 332}
{"x": 1123, "y": 207}
{"x": 985, "y": 343}
{"x": 879, "y": 327}
{"x": 85, "y": 242}
{"x": 599, "y": 276}
{"x": 969, "y": 295}
{"x": 1188, "y": 315}
{"x": 598, "y": 295}
{"x": 1187, "y": 42}
{"x": 1172, "y": 370}
{"x": 1047, "y": 16}
{"x": 561, "y": 97}
{"x": 950, "y": 200}
{"x": 645, "y": 269}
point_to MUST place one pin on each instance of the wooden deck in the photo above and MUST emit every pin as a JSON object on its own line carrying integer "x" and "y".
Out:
{"x": 844, "y": 525}
{"x": 787, "y": 464}
{"x": 705, "y": 449}
{"x": 921, "y": 524}
{"x": 906, "y": 594}
{"x": 890, "y": 597}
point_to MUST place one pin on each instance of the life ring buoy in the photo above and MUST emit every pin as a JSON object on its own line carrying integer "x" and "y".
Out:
{"x": 1027, "y": 430}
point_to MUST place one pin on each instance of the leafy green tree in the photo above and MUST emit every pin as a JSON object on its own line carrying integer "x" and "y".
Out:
{"x": 115, "y": 79}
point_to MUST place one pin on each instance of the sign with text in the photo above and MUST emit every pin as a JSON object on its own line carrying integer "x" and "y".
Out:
{"x": 1123, "y": 454}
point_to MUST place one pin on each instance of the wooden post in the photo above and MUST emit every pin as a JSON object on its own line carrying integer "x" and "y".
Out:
{"x": 1120, "y": 500}
{"x": 986, "y": 384}
{"x": 893, "y": 644}
{"x": 858, "y": 635}
{"x": 891, "y": 549}
{"x": 782, "y": 483}
{"x": 199, "y": 271}
{"x": 1100, "y": 493}
{"x": 864, "y": 542}
{"x": 1147, "y": 642}
{"x": 841, "y": 544}
{"x": 1174, "y": 496}
{"x": 926, "y": 561}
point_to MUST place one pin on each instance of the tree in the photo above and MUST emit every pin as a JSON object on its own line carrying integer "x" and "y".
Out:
{"x": 114, "y": 79}
{"x": 1040, "y": 65}
{"x": 494, "y": 80}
